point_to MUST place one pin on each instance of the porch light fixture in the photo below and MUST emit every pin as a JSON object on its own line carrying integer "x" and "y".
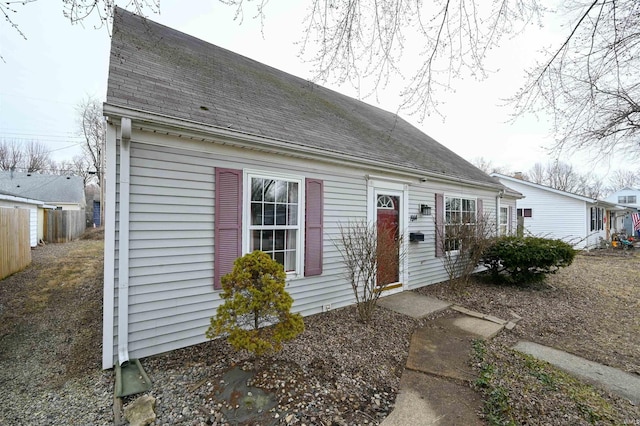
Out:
{"x": 425, "y": 210}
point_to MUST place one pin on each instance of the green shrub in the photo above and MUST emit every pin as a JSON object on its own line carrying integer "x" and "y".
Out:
{"x": 523, "y": 260}
{"x": 256, "y": 313}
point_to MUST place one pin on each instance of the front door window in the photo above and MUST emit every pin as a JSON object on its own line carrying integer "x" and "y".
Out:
{"x": 388, "y": 234}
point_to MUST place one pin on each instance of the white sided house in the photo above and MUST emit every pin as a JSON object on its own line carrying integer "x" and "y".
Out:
{"x": 628, "y": 197}
{"x": 551, "y": 213}
{"x": 63, "y": 192}
{"x": 35, "y": 207}
{"x": 211, "y": 155}
{"x": 629, "y": 201}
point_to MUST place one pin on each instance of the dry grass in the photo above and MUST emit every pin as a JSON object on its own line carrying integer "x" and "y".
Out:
{"x": 62, "y": 289}
{"x": 590, "y": 309}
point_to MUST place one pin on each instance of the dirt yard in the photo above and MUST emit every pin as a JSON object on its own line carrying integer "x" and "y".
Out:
{"x": 337, "y": 372}
{"x": 51, "y": 339}
{"x": 590, "y": 309}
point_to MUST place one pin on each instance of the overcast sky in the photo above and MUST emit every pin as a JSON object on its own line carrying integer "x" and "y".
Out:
{"x": 45, "y": 77}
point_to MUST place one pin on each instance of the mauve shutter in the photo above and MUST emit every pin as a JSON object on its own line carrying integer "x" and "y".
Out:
{"x": 313, "y": 227}
{"x": 439, "y": 224}
{"x": 228, "y": 222}
{"x": 479, "y": 208}
{"x": 510, "y": 219}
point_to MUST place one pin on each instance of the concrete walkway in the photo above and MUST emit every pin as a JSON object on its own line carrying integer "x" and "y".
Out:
{"x": 616, "y": 381}
{"x": 435, "y": 388}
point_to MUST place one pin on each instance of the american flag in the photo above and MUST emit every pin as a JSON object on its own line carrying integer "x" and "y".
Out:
{"x": 635, "y": 218}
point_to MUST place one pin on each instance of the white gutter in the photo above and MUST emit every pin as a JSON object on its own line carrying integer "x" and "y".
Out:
{"x": 498, "y": 205}
{"x": 109, "y": 249}
{"x": 242, "y": 139}
{"x": 123, "y": 243}
{"x": 18, "y": 199}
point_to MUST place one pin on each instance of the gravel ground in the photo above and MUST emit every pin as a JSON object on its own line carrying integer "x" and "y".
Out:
{"x": 338, "y": 372}
{"x": 50, "y": 325}
{"x": 314, "y": 379}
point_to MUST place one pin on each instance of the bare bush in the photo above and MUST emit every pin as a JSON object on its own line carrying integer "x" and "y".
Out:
{"x": 463, "y": 244}
{"x": 372, "y": 258}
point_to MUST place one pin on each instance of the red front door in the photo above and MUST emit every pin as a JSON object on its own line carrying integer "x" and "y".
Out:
{"x": 388, "y": 229}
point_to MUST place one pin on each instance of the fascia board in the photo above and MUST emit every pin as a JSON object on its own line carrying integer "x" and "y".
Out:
{"x": 186, "y": 128}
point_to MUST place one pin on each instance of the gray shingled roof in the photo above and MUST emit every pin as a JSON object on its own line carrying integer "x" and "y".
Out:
{"x": 47, "y": 188}
{"x": 162, "y": 71}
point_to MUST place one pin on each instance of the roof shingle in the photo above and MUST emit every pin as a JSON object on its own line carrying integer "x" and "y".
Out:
{"x": 162, "y": 71}
{"x": 47, "y": 188}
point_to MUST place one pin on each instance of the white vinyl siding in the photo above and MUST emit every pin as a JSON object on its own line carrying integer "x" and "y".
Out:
{"x": 556, "y": 215}
{"x": 33, "y": 217}
{"x": 171, "y": 295}
{"x": 171, "y": 253}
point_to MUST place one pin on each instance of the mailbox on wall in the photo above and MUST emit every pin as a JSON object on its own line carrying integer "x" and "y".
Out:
{"x": 416, "y": 236}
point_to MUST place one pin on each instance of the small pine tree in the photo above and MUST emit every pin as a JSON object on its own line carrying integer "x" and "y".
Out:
{"x": 256, "y": 313}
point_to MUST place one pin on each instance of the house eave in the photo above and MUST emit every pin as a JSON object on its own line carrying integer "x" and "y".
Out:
{"x": 546, "y": 188}
{"x": 18, "y": 199}
{"x": 195, "y": 130}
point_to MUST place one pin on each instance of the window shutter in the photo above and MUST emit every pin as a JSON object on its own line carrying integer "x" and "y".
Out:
{"x": 228, "y": 222}
{"x": 479, "y": 208}
{"x": 439, "y": 224}
{"x": 313, "y": 227}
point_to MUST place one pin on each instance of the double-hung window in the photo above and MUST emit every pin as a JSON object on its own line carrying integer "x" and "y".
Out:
{"x": 504, "y": 220}
{"x": 274, "y": 214}
{"x": 597, "y": 218}
{"x": 459, "y": 215}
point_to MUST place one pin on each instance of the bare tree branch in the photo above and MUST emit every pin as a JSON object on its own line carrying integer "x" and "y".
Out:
{"x": 79, "y": 11}
{"x": 36, "y": 157}
{"x": 11, "y": 155}
{"x": 92, "y": 126}
{"x": 589, "y": 84}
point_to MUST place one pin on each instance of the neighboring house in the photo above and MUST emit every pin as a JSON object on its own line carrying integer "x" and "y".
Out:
{"x": 211, "y": 155}
{"x": 65, "y": 192}
{"x": 630, "y": 199}
{"x": 35, "y": 208}
{"x": 552, "y": 213}
{"x": 56, "y": 193}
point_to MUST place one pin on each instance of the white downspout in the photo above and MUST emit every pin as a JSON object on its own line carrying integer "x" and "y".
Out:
{"x": 123, "y": 243}
{"x": 498, "y": 206}
{"x": 109, "y": 249}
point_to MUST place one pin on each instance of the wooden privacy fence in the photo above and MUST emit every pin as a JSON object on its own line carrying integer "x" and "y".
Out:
{"x": 61, "y": 226}
{"x": 15, "y": 248}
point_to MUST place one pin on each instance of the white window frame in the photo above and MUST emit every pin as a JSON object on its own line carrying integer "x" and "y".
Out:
{"x": 382, "y": 186}
{"x": 597, "y": 222}
{"x": 444, "y": 214}
{"x": 504, "y": 221}
{"x": 247, "y": 227}
{"x": 627, "y": 199}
